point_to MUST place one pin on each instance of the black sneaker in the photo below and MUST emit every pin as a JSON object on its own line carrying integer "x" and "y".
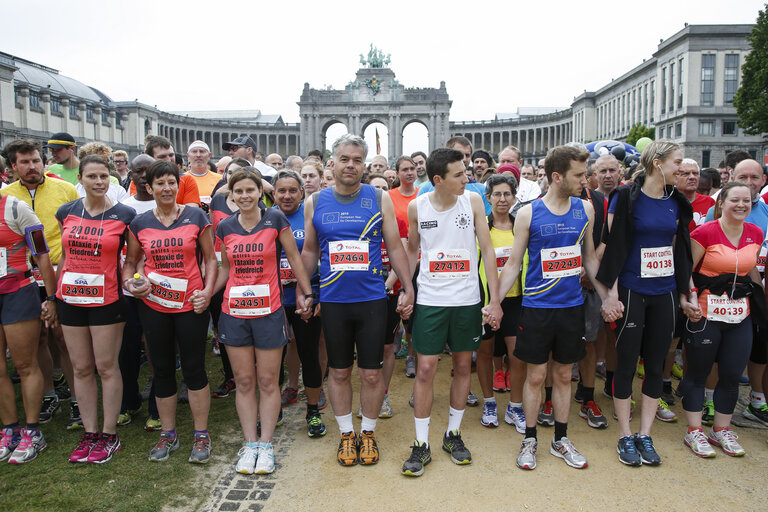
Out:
{"x": 648, "y": 455}
{"x": 315, "y": 425}
{"x": 225, "y": 389}
{"x": 628, "y": 452}
{"x": 62, "y": 389}
{"x": 421, "y": 455}
{"x": 50, "y": 406}
{"x": 578, "y": 396}
{"x": 453, "y": 444}
{"x": 75, "y": 421}
{"x": 668, "y": 396}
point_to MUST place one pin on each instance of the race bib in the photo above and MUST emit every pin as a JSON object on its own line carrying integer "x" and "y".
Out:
{"x": 3, "y": 262}
{"x": 449, "y": 264}
{"x": 348, "y": 255}
{"x": 723, "y": 309}
{"x": 502, "y": 255}
{"x": 761, "y": 259}
{"x": 39, "y": 276}
{"x": 169, "y": 292}
{"x": 656, "y": 262}
{"x": 249, "y": 300}
{"x": 286, "y": 272}
{"x": 561, "y": 262}
{"x": 82, "y": 288}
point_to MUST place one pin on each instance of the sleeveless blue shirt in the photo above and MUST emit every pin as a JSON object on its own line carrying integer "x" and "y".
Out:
{"x": 553, "y": 275}
{"x": 344, "y": 226}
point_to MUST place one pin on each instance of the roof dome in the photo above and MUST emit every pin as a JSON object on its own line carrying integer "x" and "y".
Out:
{"x": 45, "y": 78}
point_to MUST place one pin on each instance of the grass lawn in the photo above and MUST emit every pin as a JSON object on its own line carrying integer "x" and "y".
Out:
{"x": 129, "y": 482}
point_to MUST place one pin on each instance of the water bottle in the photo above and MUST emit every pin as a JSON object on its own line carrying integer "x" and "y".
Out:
{"x": 138, "y": 281}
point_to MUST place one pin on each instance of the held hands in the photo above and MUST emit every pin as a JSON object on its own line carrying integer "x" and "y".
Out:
{"x": 199, "y": 301}
{"x": 48, "y": 314}
{"x": 492, "y": 315}
{"x": 405, "y": 304}
{"x": 140, "y": 292}
{"x": 691, "y": 306}
{"x": 304, "y": 306}
{"x": 612, "y": 309}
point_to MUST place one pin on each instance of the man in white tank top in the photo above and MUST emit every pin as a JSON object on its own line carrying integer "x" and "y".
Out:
{"x": 443, "y": 224}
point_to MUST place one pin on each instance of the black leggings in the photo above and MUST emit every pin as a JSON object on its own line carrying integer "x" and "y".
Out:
{"x": 645, "y": 330}
{"x": 307, "y": 336}
{"x": 728, "y": 345}
{"x": 215, "y": 308}
{"x": 162, "y": 330}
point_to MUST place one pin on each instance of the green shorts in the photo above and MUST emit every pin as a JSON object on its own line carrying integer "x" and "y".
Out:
{"x": 459, "y": 326}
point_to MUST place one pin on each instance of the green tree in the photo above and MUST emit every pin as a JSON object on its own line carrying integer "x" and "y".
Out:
{"x": 639, "y": 131}
{"x": 751, "y": 99}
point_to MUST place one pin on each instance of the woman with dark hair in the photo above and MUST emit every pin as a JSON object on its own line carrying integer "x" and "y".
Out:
{"x": 176, "y": 241}
{"x": 90, "y": 305}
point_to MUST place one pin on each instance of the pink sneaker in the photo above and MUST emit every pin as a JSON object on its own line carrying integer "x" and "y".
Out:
{"x": 87, "y": 442}
{"x": 105, "y": 447}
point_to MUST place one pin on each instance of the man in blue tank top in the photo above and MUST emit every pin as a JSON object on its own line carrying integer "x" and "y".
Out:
{"x": 344, "y": 226}
{"x": 557, "y": 233}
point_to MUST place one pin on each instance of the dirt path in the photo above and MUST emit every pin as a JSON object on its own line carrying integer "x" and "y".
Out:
{"x": 308, "y": 476}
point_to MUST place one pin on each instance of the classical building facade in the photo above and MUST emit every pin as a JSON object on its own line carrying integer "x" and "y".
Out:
{"x": 684, "y": 90}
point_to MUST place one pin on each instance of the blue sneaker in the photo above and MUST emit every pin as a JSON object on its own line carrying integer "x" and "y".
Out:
{"x": 644, "y": 446}
{"x": 515, "y": 417}
{"x": 628, "y": 451}
{"x": 489, "y": 418}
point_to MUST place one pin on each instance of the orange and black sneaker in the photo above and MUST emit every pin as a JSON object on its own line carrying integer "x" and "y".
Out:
{"x": 369, "y": 450}
{"x": 347, "y": 452}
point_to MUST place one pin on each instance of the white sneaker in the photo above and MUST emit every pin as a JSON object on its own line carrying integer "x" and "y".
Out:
{"x": 515, "y": 417}
{"x": 266, "y": 462}
{"x": 247, "y": 460}
{"x": 386, "y": 408}
{"x": 489, "y": 417}
{"x": 726, "y": 439}
{"x": 697, "y": 442}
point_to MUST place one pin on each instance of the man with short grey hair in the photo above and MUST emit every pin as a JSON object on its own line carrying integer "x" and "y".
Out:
{"x": 608, "y": 171}
{"x": 274, "y": 160}
{"x": 294, "y": 162}
{"x": 345, "y": 225}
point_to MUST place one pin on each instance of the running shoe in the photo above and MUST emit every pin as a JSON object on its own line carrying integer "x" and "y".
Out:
{"x": 453, "y": 444}
{"x": 515, "y": 416}
{"x": 578, "y": 395}
{"x": 265, "y": 463}
{"x": 280, "y": 419}
{"x": 708, "y": 413}
{"x": 663, "y": 413}
{"x": 322, "y": 403}
{"x": 246, "y": 462}
{"x": 698, "y": 443}
{"x": 668, "y": 396}
{"x": 600, "y": 371}
{"x": 32, "y": 443}
{"x": 201, "y": 449}
{"x": 315, "y": 425}
{"x": 167, "y": 444}
{"x": 49, "y": 407}
{"x": 640, "y": 369}
{"x": 591, "y": 412}
{"x": 472, "y": 399}
{"x": 87, "y": 442}
{"x": 546, "y": 415}
{"x": 526, "y": 459}
{"x": 346, "y": 454}
{"x": 368, "y": 449}
{"x": 8, "y": 442}
{"x": 386, "y": 408}
{"x": 645, "y": 448}
{"x": 410, "y": 366}
{"x": 759, "y": 414}
{"x": 215, "y": 347}
{"x": 410, "y": 400}
{"x": 489, "y": 417}
{"x": 421, "y": 455}
{"x": 726, "y": 439}
{"x": 125, "y": 418}
{"x": 627, "y": 451}
{"x": 75, "y": 421}
{"x": 575, "y": 373}
{"x": 677, "y": 371}
{"x": 403, "y": 352}
{"x": 223, "y": 391}
{"x": 61, "y": 388}
{"x": 153, "y": 424}
{"x": 289, "y": 396}
{"x": 565, "y": 450}
{"x": 105, "y": 447}
{"x": 499, "y": 381}
{"x": 360, "y": 411}
{"x": 743, "y": 380}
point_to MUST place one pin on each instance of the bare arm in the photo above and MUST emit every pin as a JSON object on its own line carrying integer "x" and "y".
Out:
{"x": 303, "y": 304}
{"x": 310, "y": 253}
{"x": 612, "y": 310}
{"x": 397, "y": 255}
{"x": 201, "y": 298}
{"x": 492, "y": 313}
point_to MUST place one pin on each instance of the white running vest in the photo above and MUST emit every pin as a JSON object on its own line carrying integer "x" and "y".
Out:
{"x": 448, "y": 268}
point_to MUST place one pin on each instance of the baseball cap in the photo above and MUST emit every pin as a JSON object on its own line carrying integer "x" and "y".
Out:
{"x": 240, "y": 141}
{"x": 61, "y": 140}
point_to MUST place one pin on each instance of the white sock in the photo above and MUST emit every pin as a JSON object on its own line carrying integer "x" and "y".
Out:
{"x": 757, "y": 399}
{"x": 345, "y": 423}
{"x": 422, "y": 429}
{"x": 489, "y": 400}
{"x": 709, "y": 394}
{"x": 454, "y": 419}
{"x": 515, "y": 404}
{"x": 368, "y": 424}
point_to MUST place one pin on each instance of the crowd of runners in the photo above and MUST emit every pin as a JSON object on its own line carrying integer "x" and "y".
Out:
{"x": 579, "y": 269}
